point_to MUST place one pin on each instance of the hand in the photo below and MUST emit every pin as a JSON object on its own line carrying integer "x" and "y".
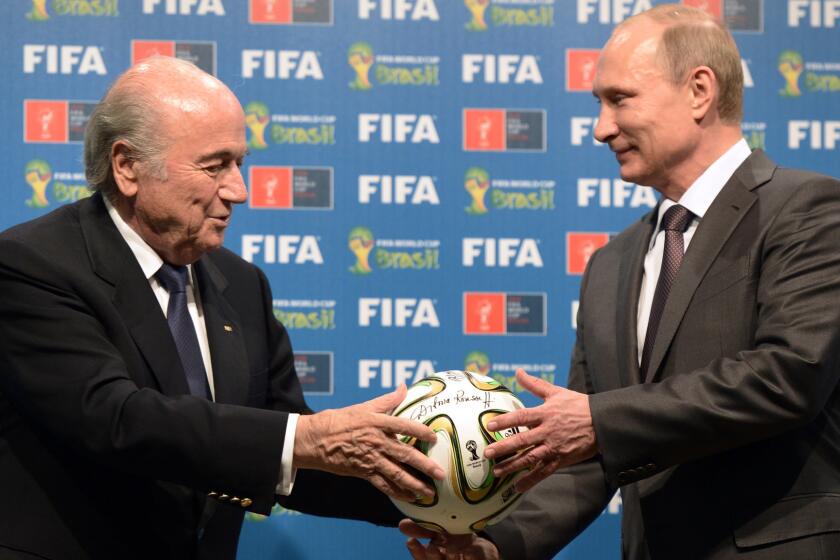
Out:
{"x": 361, "y": 441}
{"x": 445, "y": 546}
{"x": 560, "y": 433}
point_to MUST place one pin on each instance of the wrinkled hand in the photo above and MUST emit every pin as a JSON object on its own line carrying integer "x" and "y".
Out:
{"x": 446, "y": 546}
{"x": 560, "y": 433}
{"x": 360, "y": 440}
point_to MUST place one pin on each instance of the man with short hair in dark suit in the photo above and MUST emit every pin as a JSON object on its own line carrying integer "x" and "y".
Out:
{"x": 148, "y": 396}
{"x": 704, "y": 378}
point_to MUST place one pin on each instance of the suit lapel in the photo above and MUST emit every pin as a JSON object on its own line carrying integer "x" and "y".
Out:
{"x": 224, "y": 333}
{"x": 133, "y": 298}
{"x": 726, "y": 212}
{"x": 630, "y": 273}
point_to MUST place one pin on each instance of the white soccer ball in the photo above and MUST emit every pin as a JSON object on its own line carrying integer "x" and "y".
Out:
{"x": 458, "y": 405}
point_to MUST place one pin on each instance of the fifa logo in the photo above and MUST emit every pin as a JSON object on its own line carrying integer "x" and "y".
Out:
{"x": 790, "y": 67}
{"x": 477, "y": 9}
{"x": 472, "y": 447}
{"x": 360, "y": 242}
{"x": 39, "y": 11}
{"x": 38, "y": 175}
{"x": 360, "y": 59}
{"x": 256, "y": 119}
{"x": 476, "y": 183}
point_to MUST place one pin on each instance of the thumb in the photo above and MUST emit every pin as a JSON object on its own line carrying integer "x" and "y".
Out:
{"x": 389, "y": 401}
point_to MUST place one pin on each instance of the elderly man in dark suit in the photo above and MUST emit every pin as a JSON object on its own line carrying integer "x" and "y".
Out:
{"x": 704, "y": 379}
{"x": 148, "y": 397}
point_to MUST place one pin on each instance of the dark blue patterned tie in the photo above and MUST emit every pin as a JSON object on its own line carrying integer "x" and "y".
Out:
{"x": 674, "y": 222}
{"x": 174, "y": 279}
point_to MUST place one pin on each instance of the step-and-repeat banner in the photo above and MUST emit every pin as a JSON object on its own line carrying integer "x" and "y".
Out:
{"x": 425, "y": 187}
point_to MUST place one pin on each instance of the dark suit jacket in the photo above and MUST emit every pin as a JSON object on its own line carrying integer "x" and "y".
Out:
{"x": 103, "y": 452}
{"x": 731, "y": 445}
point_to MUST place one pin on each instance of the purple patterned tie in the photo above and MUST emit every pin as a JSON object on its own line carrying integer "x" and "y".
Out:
{"x": 174, "y": 279}
{"x": 674, "y": 222}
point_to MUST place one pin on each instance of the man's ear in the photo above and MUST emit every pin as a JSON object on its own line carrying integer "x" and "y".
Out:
{"x": 125, "y": 169}
{"x": 703, "y": 89}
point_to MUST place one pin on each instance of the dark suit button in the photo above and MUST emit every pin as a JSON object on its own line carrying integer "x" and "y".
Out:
{"x": 234, "y": 500}
{"x": 224, "y": 497}
{"x": 246, "y": 502}
{"x": 650, "y": 467}
{"x": 212, "y": 494}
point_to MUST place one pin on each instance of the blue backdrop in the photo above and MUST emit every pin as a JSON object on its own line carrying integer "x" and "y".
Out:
{"x": 425, "y": 186}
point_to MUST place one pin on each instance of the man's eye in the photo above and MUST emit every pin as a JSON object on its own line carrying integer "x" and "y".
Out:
{"x": 214, "y": 169}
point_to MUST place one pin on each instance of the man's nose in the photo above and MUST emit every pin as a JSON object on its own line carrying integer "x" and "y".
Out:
{"x": 606, "y": 127}
{"x": 233, "y": 187}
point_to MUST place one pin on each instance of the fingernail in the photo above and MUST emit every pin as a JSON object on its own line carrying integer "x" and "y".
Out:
{"x": 491, "y": 426}
{"x": 489, "y": 453}
{"x": 497, "y": 472}
{"x": 439, "y": 474}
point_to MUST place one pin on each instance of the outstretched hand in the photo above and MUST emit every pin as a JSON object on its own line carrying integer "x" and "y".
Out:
{"x": 560, "y": 433}
{"x": 360, "y": 441}
{"x": 444, "y": 545}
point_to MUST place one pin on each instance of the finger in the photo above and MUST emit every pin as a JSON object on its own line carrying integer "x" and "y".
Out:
{"x": 522, "y": 417}
{"x": 411, "y": 529}
{"x": 402, "y": 478}
{"x": 535, "y": 385}
{"x": 514, "y": 464}
{"x": 511, "y": 445}
{"x": 389, "y": 488}
{"x": 387, "y": 402}
{"x": 405, "y": 427}
{"x": 531, "y": 479}
{"x": 407, "y": 455}
{"x": 417, "y": 550}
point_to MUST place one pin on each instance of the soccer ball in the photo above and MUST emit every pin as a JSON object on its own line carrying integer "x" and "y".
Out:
{"x": 457, "y": 405}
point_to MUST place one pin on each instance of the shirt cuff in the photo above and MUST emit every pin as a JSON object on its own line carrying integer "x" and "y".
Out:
{"x": 287, "y": 473}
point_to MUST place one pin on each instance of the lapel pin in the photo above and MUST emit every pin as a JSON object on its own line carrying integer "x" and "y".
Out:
{"x": 228, "y": 328}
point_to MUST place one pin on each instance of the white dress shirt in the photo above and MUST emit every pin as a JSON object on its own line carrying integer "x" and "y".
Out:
{"x": 150, "y": 262}
{"x": 697, "y": 200}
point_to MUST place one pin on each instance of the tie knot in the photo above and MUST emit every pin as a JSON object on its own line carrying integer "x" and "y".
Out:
{"x": 173, "y": 278}
{"x": 676, "y": 218}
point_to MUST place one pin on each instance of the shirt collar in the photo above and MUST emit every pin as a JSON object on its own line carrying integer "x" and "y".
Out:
{"x": 703, "y": 191}
{"x": 149, "y": 261}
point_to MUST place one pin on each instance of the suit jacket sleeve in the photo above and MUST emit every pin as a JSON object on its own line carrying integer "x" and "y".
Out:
{"x": 66, "y": 376}
{"x": 559, "y": 508}
{"x": 780, "y": 380}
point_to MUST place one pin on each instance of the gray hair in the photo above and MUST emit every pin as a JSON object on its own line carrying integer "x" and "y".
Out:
{"x": 129, "y": 113}
{"x": 694, "y": 38}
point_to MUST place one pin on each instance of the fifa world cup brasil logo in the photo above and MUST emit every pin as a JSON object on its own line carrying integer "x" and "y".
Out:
{"x": 477, "y": 9}
{"x": 477, "y": 362}
{"x": 360, "y": 59}
{"x": 39, "y": 11}
{"x": 38, "y": 174}
{"x": 256, "y": 119}
{"x": 476, "y": 182}
{"x": 790, "y": 67}
{"x": 360, "y": 241}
